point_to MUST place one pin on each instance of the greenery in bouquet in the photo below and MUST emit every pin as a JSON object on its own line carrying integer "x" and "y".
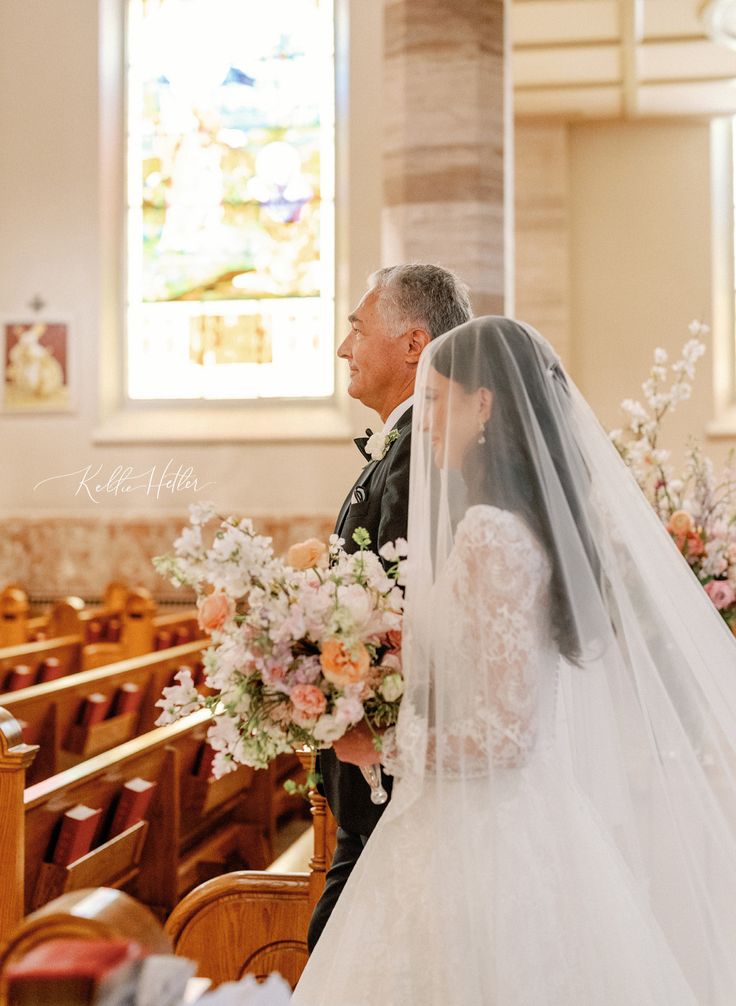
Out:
{"x": 302, "y": 648}
{"x": 697, "y": 506}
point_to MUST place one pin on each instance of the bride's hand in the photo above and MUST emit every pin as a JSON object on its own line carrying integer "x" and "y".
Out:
{"x": 356, "y": 746}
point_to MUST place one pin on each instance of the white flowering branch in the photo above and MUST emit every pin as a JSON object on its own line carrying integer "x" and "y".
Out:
{"x": 698, "y": 508}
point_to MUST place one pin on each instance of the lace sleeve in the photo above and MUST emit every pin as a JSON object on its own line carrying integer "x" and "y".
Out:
{"x": 492, "y": 624}
{"x": 497, "y": 618}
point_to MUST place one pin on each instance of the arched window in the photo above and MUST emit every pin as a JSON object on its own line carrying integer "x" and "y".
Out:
{"x": 230, "y": 199}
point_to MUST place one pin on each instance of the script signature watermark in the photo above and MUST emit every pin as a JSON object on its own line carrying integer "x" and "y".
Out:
{"x": 122, "y": 481}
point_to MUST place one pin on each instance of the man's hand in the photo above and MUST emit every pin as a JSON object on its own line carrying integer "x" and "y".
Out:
{"x": 357, "y": 747}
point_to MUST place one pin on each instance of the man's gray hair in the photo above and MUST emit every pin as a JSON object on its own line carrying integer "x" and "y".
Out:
{"x": 423, "y": 295}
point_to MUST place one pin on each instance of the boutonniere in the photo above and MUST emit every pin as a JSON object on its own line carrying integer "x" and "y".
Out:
{"x": 378, "y": 444}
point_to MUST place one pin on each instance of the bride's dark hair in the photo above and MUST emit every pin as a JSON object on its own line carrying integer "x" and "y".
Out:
{"x": 530, "y": 399}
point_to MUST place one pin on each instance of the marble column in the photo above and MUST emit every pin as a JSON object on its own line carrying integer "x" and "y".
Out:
{"x": 447, "y": 142}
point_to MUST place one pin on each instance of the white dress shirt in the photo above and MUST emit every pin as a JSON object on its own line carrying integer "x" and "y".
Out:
{"x": 397, "y": 413}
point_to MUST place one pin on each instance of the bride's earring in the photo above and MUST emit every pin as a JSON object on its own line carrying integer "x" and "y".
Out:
{"x": 482, "y": 433}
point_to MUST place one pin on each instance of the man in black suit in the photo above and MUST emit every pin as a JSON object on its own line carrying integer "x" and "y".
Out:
{"x": 405, "y": 307}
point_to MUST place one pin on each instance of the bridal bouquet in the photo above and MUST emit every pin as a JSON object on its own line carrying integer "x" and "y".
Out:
{"x": 697, "y": 506}
{"x": 302, "y": 649}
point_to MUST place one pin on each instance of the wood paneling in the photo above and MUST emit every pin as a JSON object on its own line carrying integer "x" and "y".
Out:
{"x": 599, "y": 58}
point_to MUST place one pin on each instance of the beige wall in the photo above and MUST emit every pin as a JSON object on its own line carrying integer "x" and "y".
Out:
{"x": 640, "y": 258}
{"x": 615, "y": 255}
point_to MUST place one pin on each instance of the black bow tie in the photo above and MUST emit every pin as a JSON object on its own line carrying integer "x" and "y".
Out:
{"x": 360, "y": 443}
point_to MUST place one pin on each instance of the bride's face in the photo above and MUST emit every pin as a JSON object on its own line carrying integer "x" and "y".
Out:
{"x": 454, "y": 418}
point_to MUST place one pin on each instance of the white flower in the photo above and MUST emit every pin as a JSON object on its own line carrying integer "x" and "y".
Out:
{"x": 348, "y": 710}
{"x": 715, "y": 564}
{"x": 355, "y": 608}
{"x": 378, "y": 444}
{"x": 223, "y": 734}
{"x": 392, "y": 686}
{"x": 328, "y": 729}
{"x": 221, "y": 663}
{"x": 223, "y": 763}
{"x": 635, "y": 409}
{"x": 189, "y": 542}
{"x": 660, "y": 356}
{"x": 694, "y": 348}
{"x": 178, "y": 700}
{"x": 394, "y": 550}
{"x": 698, "y": 328}
{"x": 388, "y": 552}
{"x": 201, "y": 513}
{"x": 292, "y": 627}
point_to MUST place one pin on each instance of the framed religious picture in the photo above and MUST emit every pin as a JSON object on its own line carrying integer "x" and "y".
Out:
{"x": 36, "y": 371}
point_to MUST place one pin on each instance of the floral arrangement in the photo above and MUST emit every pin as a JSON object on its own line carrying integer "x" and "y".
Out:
{"x": 697, "y": 506}
{"x": 302, "y": 649}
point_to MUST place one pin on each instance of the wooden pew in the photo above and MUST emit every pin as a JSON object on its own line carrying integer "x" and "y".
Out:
{"x": 254, "y": 921}
{"x": 92, "y": 914}
{"x": 63, "y": 618}
{"x": 15, "y": 757}
{"x": 70, "y": 616}
{"x": 142, "y": 632}
{"x": 96, "y": 621}
{"x": 49, "y": 712}
{"x": 95, "y": 913}
{"x": 167, "y": 628}
{"x": 14, "y": 609}
{"x": 190, "y": 821}
{"x": 68, "y": 650}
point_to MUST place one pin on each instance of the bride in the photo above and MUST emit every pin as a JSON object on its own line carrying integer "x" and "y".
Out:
{"x": 563, "y": 827}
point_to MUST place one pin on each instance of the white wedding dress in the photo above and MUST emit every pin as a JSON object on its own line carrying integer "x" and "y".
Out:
{"x": 492, "y": 881}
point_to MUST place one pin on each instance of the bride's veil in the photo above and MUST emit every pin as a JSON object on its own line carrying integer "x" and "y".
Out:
{"x": 532, "y": 548}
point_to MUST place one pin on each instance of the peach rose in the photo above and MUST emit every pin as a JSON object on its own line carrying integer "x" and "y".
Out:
{"x": 308, "y": 699}
{"x": 214, "y": 611}
{"x": 342, "y": 665}
{"x": 681, "y": 523}
{"x": 306, "y": 554}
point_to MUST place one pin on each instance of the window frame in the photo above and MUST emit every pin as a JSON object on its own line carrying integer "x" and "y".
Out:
{"x": 357, "y": 167}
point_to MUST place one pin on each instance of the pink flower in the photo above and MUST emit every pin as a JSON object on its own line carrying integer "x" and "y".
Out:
{"x": 274, "y": 675}
{"x": 721, "y": 593}
{"x": 308, "y": 671}
{"x": 695, "y": 546}
{"x": 214, "y": 611}
{"x": 691, "y": 545}
{"x": 393, "y": 639}
{"x": 308, "y": 699}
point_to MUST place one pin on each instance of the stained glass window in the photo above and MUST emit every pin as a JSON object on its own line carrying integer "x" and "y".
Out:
{"x": 230, "y": 199}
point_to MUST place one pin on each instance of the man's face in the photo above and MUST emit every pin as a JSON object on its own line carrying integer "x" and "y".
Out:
{"x": 376, "y": 356}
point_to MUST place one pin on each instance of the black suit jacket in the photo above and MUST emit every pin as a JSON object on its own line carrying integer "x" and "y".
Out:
{"x": 379, "y": 502}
